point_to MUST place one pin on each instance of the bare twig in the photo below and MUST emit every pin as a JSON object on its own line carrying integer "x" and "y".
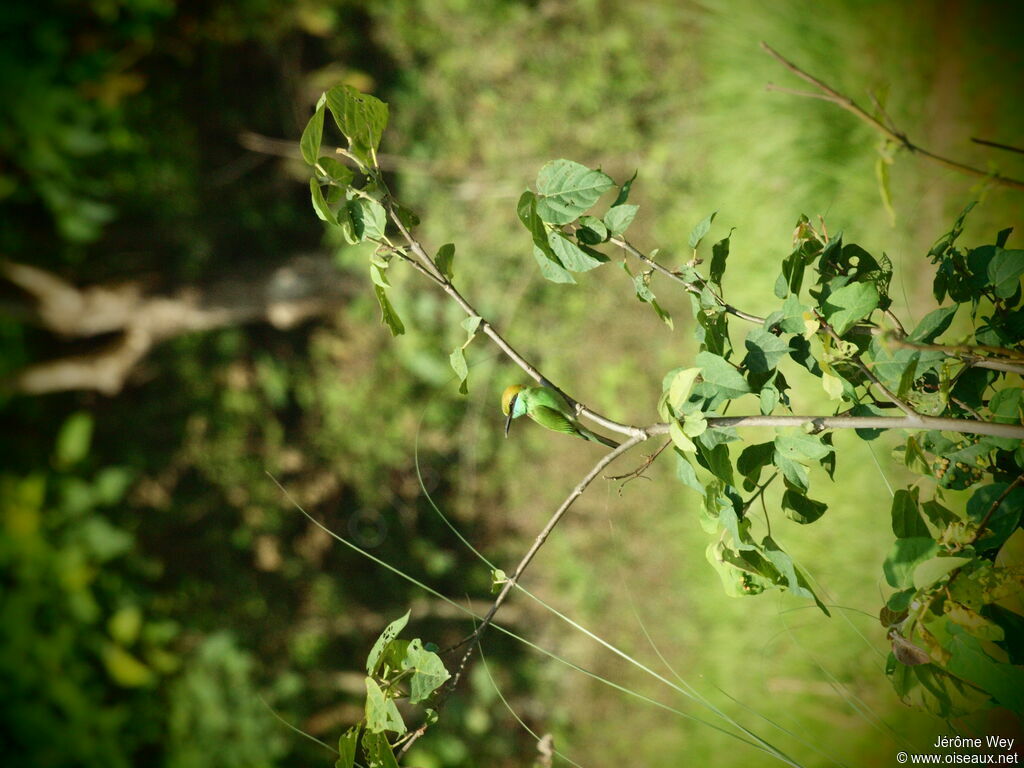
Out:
{"x": 632, "y": 475}
{"x": 997, "y": 145}
{"x": 524, "y": 563}
{"x": 827, "y": 93}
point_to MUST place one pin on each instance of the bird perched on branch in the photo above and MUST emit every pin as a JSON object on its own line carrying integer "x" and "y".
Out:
{"x": 549, "y": 408}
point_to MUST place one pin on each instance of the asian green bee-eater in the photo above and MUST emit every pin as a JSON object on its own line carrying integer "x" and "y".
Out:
{"x": 549, "y": 408}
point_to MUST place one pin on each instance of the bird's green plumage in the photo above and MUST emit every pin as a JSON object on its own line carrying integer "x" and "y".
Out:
{"x": 551, "y": 410}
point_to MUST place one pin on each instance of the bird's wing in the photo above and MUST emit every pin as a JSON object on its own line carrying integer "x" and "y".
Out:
{"x": 553, "y": 419}
{"x": 550, "y": 398}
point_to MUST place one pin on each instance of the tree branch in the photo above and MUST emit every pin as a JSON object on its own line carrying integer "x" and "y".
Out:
{"x": 426, "y": 266}
{"x": 827, "y": 93}
{"x": 524, "y": 563}
{"x": 690, "y": 287}
{"x": 820, "y": 423}
{"x": 303, "y": 287}
{"x": 974, "y": 355}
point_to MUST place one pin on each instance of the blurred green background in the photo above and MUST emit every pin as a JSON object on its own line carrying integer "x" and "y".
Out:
{"x": 160, "y": 598}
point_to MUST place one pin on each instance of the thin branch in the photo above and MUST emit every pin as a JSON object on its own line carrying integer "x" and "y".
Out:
{"x": 638, "y": 472}
{"x": 892, "y": 397}
{"x": 820, "y": 423}
{"x": 829, "y": 94}
{"x": 995, "y": 505}
{"x": 760, "y": 490}
{"x": 997, "y": 145}
{"x": 524, "y": 563}
{"x": 974, "y": 355}
{"x": 690, "y": 287}
{"x": 428, "y": 268}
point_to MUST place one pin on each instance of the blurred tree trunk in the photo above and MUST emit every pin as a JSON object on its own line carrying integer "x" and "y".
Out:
{"x": 303, "y": 287}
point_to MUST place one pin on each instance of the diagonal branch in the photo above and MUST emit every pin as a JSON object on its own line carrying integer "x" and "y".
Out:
{"x": 693, "y": 288}
{"x": 425, "y": 265}
{"x": 827, "y": 93}
{"x": 524, "y": 563}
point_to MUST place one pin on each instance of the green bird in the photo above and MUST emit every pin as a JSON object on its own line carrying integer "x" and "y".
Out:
{"x": 549, "y": 408}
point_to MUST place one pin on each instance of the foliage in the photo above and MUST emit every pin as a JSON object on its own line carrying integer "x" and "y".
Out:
{"x": 834, "y": 323}
{"x": 391, "y": 664}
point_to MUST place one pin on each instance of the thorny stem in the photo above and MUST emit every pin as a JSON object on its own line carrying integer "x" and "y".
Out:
{"x": 827, "y": 93}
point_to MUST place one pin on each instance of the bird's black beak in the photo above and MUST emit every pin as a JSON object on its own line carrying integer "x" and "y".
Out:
{"x": 508, "y": 421}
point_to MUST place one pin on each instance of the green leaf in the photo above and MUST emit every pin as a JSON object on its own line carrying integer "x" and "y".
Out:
{"x": 700, "y": 230}
{"x": 378, "y": 751}
{"x": 799, "y": 446}
{"x": 679, "y": 438}
{"x": 571, "y": 256}
{"x": 845, "y": 307}
{"x": 428, "y": 671}
{"x": 716, "y": 460}
{"x": 769, "y": 398}
{"x": 375, "y": 219}
{"x": 764, "y": 350}
{"x": 361, "y": 118}
{"x": 312, "y": 135}
{"x": 550, "y": 268}
{"x": 907, "y": 522}
{"x": 681, "y": 387}
{"x": 566, "y": 189}
{"x": 1004, "y": 271}
{"x": 335, "y": 172}
{"x": 623, "y": 195}
{"x": 458, "y": 362}
{"x": 347, "y": 748}
{"x": 795, "y": 472}
{"x": 753, "y": 459}
{"x": 721, "y": 376}
{"x": 619, "y": 217}
{"x": 323, "y": 212}
{"x": 686, "y": 473}
{"x": 801, "y": 508}
{"x": 719, "y": 255}
{"x": 471, "y": 324}
{"x": 933, "y": 325}
{"x": 390, "y": 633}
{"x": 904, "y": 557}
{"x": 592, "y": 231}
{"x": 74, "y": 439}
{"x": 388, "y": 316}
{"x": 381, "y": 713}
{"x": 444, "y": 258}
{"x": 969, "y": 661}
